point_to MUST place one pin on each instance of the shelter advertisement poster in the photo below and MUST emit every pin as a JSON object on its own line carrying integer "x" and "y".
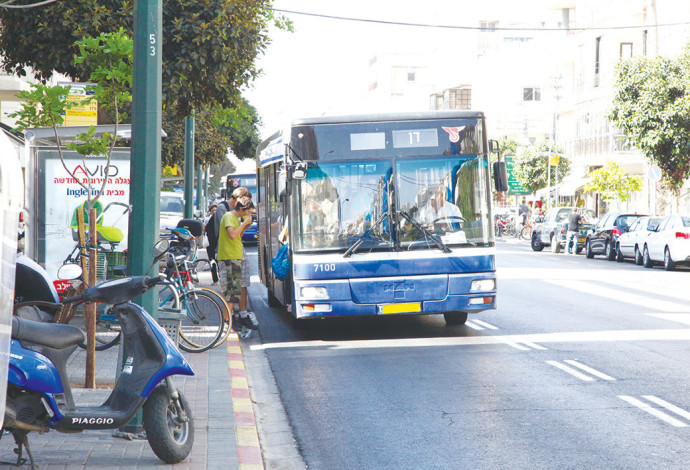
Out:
{"x": 61, "y": 195}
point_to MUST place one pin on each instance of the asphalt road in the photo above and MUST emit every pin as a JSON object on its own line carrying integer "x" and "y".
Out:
{"x": 584, "y": 364}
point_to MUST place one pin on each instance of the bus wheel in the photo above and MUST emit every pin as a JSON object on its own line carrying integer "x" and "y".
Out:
{"x": 455, "y": 318}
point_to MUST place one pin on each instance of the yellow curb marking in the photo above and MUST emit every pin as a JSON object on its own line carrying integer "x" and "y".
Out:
{"x": 246, "y": 436}
{"x": 239, "y": 382}
{"x": 236, "y": 364}
{"x": 251, "y": 467}
{"x": 242, "y": 405}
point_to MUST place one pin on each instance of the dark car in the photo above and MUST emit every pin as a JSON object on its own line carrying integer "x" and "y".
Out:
{"x": 604, "y": 236}
{"x": 552, "y": 231}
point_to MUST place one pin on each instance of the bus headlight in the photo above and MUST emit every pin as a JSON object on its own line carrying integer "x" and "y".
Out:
{"x": 311, "y": 292}
{"x": 483, "y": 285}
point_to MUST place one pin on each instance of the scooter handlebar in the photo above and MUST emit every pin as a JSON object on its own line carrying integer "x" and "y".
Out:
{"x": 117, "y": 291}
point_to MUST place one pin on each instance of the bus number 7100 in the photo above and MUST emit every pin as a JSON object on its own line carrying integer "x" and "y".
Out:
{"x": 324, "y": 267}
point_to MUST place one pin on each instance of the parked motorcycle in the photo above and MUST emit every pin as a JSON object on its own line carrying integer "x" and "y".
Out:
{"x": 39, "y": 396}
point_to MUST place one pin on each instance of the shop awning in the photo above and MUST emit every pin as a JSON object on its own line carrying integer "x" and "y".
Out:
{"x": 569, "y": 187}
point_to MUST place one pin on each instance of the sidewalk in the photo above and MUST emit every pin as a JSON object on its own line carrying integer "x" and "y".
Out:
{"x": 224, "y": 423}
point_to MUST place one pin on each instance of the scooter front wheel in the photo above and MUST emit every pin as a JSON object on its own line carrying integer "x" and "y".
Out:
{"x": 169, "y": 428}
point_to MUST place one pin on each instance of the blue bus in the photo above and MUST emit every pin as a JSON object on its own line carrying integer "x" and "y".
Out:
{"x": 387, "y": 215}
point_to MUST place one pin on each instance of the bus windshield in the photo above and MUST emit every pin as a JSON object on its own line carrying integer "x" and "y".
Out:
{"x": 393, "y": 204}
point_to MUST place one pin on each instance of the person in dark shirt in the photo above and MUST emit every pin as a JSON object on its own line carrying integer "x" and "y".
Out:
{"x": 574, "y": 221}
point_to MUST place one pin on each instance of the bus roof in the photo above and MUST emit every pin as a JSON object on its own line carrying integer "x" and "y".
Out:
{"x": 408, "y": 116}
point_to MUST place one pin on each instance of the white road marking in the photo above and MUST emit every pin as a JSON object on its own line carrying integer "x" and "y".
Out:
{"x": 473, "y": 325}
{"x": 534, "y": 345}
{"x": 571, "y": 371}
{"x": 683, "y": 318}
{"x": 485, "y": 324}
{"x": 517, "y": 345}
{"x": 591, "y": 288}
{"x": 673, "y": 408}
{"x": 653, "y": 411}
{"x": 588, "y": 369}
{"x": 608, "y": 336}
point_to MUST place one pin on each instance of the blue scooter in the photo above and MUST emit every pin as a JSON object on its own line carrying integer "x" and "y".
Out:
{"x": 39, "y": 397}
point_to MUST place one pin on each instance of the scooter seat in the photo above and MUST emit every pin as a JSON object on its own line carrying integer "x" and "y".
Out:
{"x": 52, "y": 335}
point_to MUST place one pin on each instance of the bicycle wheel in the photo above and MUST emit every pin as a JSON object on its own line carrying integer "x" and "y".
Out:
{"x": 526, "y": 232}
{"x": 168, "y": 297}
{"x": 203, "y": 325}
{"x": 108, "y": 330}
{"x": 227, "y": 317}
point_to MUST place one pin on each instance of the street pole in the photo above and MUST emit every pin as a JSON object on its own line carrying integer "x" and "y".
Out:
{"x": 145, "y": 173}
{"x": 145, "y": 166}
{"x": 200, "y": 194}
{"x": 189, "y": 167}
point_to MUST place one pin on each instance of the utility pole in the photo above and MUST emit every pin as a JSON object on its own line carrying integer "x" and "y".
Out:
{"x": 145, "y": 167}
{"x": 189, "y": 167}
{"x": 145, "y": 173}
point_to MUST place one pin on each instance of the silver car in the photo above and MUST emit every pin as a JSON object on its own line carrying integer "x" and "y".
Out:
{"x": 631, "y": 243}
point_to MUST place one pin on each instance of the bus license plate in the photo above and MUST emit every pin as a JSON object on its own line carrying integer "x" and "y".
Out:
{"x": 400, "y": 308}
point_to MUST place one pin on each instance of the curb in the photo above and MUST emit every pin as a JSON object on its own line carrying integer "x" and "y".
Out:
{"x": 246, "y": 434}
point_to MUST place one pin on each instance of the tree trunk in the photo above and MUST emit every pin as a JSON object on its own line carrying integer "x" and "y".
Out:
{"x": 90, "y": 308}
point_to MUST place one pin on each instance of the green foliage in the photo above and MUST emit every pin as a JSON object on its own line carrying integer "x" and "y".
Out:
{"x": 90, "y": 144}
{"x": 531, "y": 166}
{"x": 209, "y": 47}
{"x": 210, "y": 146}
{"x": 43, "y": 106}
{"x": 508, "y": 146}
{"x": 216, "y": 130}
{"x": 109, "y": 60}
{"x": 651, "y": 106}
{"x": 611, "y": 182}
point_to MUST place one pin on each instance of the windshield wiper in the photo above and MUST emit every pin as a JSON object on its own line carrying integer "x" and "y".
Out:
{"x": 442, "y": 246}
{"x": 361, "y": 239}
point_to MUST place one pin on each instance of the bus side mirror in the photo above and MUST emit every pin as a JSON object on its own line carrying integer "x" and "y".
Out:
{"x": 299, "y": 171}
{"x": 500, "y": 176}
{"x": 494, "y": 147}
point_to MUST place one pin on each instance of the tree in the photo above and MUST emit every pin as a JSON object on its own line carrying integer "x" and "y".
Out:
{"x": 108, "y": 59}
{"x": 651, "y": 106}
{"x": 531, "y": 166}
{"x": 217, "y": 130}
{"x": 611, "y": 182}
{"x": 209, "y": 47}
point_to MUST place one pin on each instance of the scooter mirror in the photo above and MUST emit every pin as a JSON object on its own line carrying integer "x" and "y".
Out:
{"x": 69, "y": 271}
{"x": 160, "y": 248}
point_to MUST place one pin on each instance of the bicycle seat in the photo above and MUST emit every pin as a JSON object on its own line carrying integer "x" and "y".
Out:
{"x": 53, "y": 335}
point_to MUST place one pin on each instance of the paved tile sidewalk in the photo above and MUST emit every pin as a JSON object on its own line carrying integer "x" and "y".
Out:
{"x": 210, "y": 398}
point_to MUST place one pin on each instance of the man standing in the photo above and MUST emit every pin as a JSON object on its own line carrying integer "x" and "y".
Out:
{"x": 523, "y": 214}
{"x": 231, "y": 254}
{"x": 221, "y": 210}
{"x": 574, "y": 221}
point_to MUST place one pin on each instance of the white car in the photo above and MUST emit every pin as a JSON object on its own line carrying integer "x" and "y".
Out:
{"x": 631, "y": 243}
{"x": 171, "y": 210}
{"x": 669, "y": 243}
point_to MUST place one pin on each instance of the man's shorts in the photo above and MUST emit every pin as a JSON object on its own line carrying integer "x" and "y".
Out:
{"x": 233, "y": 284}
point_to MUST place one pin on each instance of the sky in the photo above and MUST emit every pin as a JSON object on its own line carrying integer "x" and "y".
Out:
{"x": 322, "y": 67}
